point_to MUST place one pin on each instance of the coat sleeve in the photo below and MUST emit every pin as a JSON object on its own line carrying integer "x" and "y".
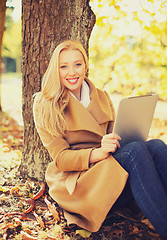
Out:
{"x": 63, "y": 156}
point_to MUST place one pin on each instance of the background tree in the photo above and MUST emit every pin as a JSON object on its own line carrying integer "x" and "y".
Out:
{"x": 2, "y": 28}
{"x": 44, "y": 25}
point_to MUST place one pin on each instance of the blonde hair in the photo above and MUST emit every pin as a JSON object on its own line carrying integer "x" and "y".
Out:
{"x": 51, "y": 101}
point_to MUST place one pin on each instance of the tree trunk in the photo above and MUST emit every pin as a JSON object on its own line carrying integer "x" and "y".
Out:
{"x": 45, "y": 24}
{"x": 2, "y": 28}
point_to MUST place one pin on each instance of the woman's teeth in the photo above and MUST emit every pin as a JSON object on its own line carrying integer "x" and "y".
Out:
{"x": 72, "y": 80}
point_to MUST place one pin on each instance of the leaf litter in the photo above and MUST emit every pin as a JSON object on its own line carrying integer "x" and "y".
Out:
{"x": 27, "y": 212}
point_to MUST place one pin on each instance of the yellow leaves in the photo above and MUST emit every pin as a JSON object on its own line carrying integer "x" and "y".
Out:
{"x": 4, "y": 189}
{"x": 14, "y": 189}
{"x": 12, "y": 50}
{"x": 139, "y": 31}
{"x": 100, "y": 21}
{"x": 83, "y": 233}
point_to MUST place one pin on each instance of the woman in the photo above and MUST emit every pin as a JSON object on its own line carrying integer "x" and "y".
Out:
{"x": 89, "y": 169}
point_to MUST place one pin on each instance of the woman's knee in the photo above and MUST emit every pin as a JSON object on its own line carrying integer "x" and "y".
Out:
{"x": 136, "y": 151}
{"x": 156, "y": 144}
{"x": 134, "y": 154}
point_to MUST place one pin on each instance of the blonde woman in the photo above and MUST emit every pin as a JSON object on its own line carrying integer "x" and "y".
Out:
{"x": 89, "y": 170}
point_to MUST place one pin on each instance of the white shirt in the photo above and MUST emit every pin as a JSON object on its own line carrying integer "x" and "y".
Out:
{"x": 85, "y": 97}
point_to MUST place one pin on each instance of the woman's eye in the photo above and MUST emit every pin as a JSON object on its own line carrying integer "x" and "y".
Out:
{"x": 63, "y": 66}
{"x": 78, "y": 64}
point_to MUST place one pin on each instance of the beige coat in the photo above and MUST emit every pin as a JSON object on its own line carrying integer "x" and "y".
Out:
{"x": 86, "y": 193}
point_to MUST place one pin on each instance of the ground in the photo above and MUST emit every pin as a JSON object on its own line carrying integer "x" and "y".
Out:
{"x": 27, "y": 211}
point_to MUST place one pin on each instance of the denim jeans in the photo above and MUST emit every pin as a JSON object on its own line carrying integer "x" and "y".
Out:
{"x": 146, "y": 163}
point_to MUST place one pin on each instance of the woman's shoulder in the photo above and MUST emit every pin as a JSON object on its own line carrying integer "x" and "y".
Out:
{"x": 103, "y": 95}
{"x": 100, "y": 94}
{"x": 99, "y": 91}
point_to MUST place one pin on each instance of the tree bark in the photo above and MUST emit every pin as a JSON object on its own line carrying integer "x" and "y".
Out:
{"x": 45, "y": 24}
{"x": 2, "y": 29}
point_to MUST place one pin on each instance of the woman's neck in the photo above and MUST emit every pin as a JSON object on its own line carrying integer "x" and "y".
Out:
{"x": 77, "y": 94}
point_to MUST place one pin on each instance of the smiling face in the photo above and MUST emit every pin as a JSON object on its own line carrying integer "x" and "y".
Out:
{"x": 72, "y": 70}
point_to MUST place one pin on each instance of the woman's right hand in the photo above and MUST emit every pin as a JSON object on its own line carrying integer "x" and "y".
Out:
{"x": 109, "y": 143}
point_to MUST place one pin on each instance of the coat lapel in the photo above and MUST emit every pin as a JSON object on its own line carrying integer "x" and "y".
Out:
{"x": 98, "y": 112}
{"x": 99, "y": 105}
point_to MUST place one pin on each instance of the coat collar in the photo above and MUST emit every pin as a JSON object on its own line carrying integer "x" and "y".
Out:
{"x": 98, "y": 112}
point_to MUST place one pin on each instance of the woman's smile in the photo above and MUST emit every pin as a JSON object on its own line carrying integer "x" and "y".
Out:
{"x": 72, "y": 80}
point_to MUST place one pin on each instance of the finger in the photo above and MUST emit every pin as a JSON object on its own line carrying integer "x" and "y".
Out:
{"x": 112, "y": 136}
{"x": 110, "y": 142}
{"x": 109, "y": 150}
{"x": 113, "y": 148}
{"x": 110, "y": 139}
{"x": 109, "y": 147}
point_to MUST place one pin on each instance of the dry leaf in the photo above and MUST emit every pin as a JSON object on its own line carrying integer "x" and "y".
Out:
{"x": 26, "y": 236}
{"x": 135, "y": 231}
{"x": 15, "y": 189}
{"x": 52, "y": 210}
{"x": 16, "y": 222}
{"x": 4, "y": 189}
{"x": 147, "y": 222}
{"x": 40, "y": 192}
{"x": 83, "y": 233}
{"x": 39, "y": 220}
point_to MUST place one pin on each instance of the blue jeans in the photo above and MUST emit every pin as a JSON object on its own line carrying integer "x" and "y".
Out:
{"x": 146, "y": 163}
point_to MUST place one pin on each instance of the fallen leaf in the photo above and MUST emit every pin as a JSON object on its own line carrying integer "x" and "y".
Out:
{"x": 147, "y": 222}
{"x": 4, "y": 189}
{"x": 26, "y": 236}
{"x": 39, "y": 220}
{"x": 15, "y": 189}
{"x": 52, "y": 210}
{"x": 40, "y": 192}
{"x": 83, "y": 233}
{"x": 16, "y": 222}
{"x": 134, "y": 231}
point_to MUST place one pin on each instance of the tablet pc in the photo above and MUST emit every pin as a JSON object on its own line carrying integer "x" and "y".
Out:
{"x": 134, "y": 117}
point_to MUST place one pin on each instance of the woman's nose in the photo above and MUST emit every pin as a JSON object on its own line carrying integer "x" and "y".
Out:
{"x": 71, "y": 71}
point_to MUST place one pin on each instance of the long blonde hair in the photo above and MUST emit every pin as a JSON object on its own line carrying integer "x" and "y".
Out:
{"x": 51, "y": 101}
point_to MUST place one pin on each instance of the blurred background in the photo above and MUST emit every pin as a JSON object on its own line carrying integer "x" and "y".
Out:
{"x": 11, "y": 61}
{"x": 128, "y": 51}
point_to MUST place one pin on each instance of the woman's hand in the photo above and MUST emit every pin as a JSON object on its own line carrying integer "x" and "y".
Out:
{"x": 109, "y": 143}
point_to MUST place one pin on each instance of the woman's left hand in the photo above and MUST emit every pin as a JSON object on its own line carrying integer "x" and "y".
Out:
{"x": 109, "y": 143}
